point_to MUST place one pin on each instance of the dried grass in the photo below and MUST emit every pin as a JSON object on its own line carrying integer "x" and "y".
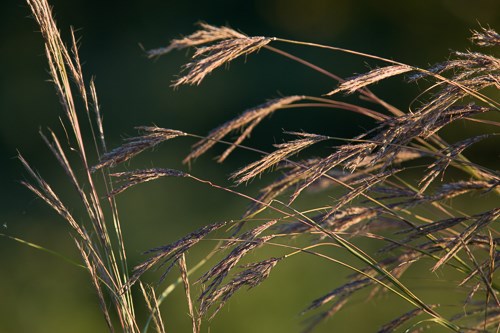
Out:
{"x": 414, "y": 221}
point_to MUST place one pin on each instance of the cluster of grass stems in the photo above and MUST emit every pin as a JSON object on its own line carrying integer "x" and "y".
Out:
{"x": 419, "y": 219}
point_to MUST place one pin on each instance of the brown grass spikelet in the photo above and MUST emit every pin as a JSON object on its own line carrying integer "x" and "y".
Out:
{"x": 362, "y": 279}
{"x": 488, "y": 266}
{"x": 245, "y": 122}
{"x": 289, "y": 178}
{"x": 492, "y": 319}
{"x": 433, "y": 227}
{"x": 342, "y": 220}
{"x": 451, "y": 190}
{"x": 481, "y": 221}
{"x": 229, "y": 45}
{"x": 245, "y": 243}
{"x": 208, "y": 58}
{"x": 485, "y": 37}
{"x": 284, "y": 151}
{"x": 221, "y": 270}
{"x": 355, "y": 83}
{"x": 152, "y": 136}
{"x": 366, "y": 183}
{"x": 315, "y": 320}
{"x": 465, "y": 64}
{"x": 339, "y": 296}
{"x": 207, "y": 34}
{"x": 394, "y": 324}
{"x": 171, "y": 253}
{"x": 131, "y": 178}
{"x": 252, "y": 275}
{"x": 447, "y": 156}
{"x": 393, "y": 135}
{"x": 346, "y": 289}
{"x": 250, "y": 234}
{"x": 354, "y": 153}
{"x": 45, "y": 192}
{"x": 294, "y": 174}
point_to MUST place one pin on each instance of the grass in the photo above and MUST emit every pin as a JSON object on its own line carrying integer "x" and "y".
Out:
{"x": 394, "y": 206}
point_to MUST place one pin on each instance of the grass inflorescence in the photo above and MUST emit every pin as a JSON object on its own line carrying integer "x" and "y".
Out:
{"x": 375, "y": 201}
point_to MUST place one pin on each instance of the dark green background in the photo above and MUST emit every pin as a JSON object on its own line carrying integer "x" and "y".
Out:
{"x": 41, "y": 293}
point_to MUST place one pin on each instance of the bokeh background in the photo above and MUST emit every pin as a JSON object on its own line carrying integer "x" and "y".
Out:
{"x": 42, "y": 293}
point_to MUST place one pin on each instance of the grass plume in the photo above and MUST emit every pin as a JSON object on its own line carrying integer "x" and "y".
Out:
{"x": 413, "y": 217}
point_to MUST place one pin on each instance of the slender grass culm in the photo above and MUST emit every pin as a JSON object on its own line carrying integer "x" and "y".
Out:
{"x": 411, "y": 222}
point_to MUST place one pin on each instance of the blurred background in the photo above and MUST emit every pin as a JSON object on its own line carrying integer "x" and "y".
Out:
{"x": 42, "y": 293}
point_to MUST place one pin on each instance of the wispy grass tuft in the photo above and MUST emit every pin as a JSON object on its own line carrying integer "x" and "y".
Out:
{"x": 391, "y": 185}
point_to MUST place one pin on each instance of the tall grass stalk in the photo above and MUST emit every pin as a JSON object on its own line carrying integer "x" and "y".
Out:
{"x": 376, "y": 203}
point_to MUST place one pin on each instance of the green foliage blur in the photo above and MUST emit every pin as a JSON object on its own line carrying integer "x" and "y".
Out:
{"x": 42, "y": 293}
